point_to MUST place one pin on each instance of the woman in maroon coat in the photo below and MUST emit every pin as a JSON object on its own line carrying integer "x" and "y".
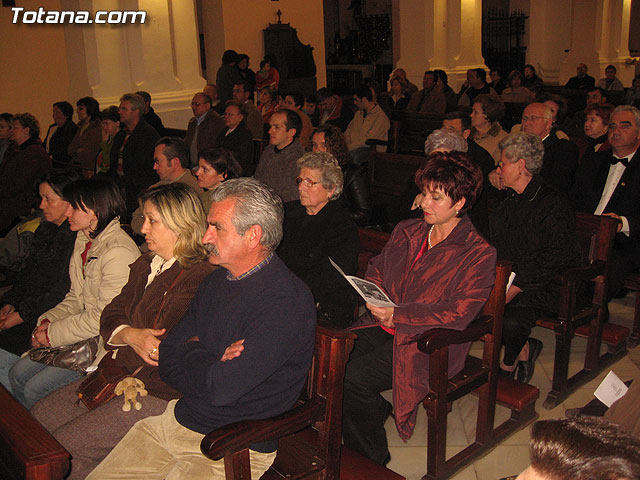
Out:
{"x": 22, "y": 166}
{"x": 160, "y": 288}
{"x": 439, "y": 272}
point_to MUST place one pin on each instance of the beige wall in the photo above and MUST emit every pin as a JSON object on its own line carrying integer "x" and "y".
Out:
{"x": 34, "y": 65}
{"x": 244, "y": 21}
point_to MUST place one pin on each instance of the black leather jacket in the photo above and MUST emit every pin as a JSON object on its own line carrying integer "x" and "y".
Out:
{"x": 356, "y": 196}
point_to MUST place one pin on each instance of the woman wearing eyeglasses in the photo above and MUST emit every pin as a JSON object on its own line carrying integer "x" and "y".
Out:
{"x": 316, "y": 228}
{"x": 237, "y": 137}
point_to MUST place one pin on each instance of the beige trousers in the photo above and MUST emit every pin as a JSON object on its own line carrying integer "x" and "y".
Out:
{"x": 160, "y": 448}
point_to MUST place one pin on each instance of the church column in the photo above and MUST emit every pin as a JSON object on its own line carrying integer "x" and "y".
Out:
{"x": 599, "y": 37}
{"x": 160, "y": 56}
{"x": 430, "y": 34}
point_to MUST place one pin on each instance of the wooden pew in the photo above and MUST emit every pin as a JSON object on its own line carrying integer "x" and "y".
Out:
{"x": 27, "y": 450}
{"x": 595, "y": 236}
{"x": 479, "y": 376}
{"x": 389, "y": 174}
{"x": 409, "y": 130}
{"x": 632, "y": 282}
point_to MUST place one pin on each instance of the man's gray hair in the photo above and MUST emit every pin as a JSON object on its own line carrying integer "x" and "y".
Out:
{"x": 136, "y": 101}
{"x": 328, "y": 167}
{"x": 524, "y": 145}
{"x": 442, "y": 139}
{"x": 256, "y": 204}
{"x": 628, "y": 108}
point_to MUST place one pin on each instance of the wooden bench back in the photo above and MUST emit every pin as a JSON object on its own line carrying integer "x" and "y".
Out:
{"x": 409, "y": 130}
{"x": 371, "y": 244}
{"x": 595, "y": 236}
{"x": 390, "y": 173}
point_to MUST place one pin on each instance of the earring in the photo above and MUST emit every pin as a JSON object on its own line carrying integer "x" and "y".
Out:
{"x": 457, "y": 212}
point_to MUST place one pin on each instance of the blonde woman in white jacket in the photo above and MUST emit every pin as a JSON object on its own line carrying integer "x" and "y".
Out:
{"x": 99, "y": 268}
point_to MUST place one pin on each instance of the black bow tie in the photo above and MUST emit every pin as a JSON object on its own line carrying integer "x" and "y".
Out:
{"x": 623, "y": 161}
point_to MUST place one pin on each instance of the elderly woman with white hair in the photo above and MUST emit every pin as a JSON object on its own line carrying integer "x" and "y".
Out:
{"x": 446, "y": 140}
{"x": 316, "y": 228}
{"x": 534, "y": 228}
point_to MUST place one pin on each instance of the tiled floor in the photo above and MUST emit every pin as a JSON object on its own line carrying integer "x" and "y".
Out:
{"x": 511, "y": 456}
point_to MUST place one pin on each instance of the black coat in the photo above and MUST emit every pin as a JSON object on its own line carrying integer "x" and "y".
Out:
{"x": 41, "y": 284}
{"x": 240, "y": 142}
{"x": 137, "y": 161}
{"x": 152, "y": 118}
{"x": 309, "y": 241}
{"x": 536, "y": 231}
{"x": 59, "y": 143}
{"x": 356, "y": 195}
{"x": 559, "y": 163}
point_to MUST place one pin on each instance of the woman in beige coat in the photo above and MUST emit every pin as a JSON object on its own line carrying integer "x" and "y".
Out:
{"x": 98, "y": 269}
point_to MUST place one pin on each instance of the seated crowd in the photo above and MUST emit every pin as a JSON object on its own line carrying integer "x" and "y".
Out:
{"x": 215, "y": 313}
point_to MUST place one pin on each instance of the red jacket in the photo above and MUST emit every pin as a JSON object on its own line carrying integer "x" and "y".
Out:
{"x": 447, "y": 287}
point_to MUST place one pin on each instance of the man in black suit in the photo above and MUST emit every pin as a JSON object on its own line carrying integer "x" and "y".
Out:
{"x": 608, "y": 183}
{"x": 560, "y": 159}
{"x": 131, "y": 162}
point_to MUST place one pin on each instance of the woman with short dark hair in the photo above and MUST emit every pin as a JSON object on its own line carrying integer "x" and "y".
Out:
{"x": 237, "y": 137}
{"x": 85, "y": 145}
{"x": 215, "y": 165}
{"x": 44, "y": 280}
{"x": 60, "y": 134}
{"x": 110, "y": 120}
{"x": 98, "y": 269}
{"x": 23, "y": 164}
{"x": 439, "y": 271}
{"x": 486, "y": 130}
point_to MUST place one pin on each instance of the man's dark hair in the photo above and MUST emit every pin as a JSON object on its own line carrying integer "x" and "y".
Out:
{"x": 145, "y": 96}
{"x": 323, "y": 94}
{"x": 298, "y": 98}
{"x": 175, "y": 147}
{"x": 292, "y": 120}
{"x": 229, "y": 56}
{"x": 441, "y": 75}
{"x": 611, "y": 67}
{"x": 239, "y": 105}
{"x": 364, "y": 91}
{"x": 462, "y": 115}
{"x": 482, "y": 75}
{"x": 65, "y": 108}
{"x": 246, "y": 87}
{"x": 584, "y": 448}
{"x": 598, "y": 89}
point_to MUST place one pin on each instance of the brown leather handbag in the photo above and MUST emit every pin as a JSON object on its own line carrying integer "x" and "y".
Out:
{"x": 99, "y": 386}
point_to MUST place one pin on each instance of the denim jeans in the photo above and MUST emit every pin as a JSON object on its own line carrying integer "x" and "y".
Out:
{"x": 31, "y": 381}
{"x": 7, "y": 359}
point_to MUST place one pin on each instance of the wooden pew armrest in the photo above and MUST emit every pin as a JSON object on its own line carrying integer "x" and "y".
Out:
{"x": 240, "y": 435}
{"x": 588, "y": 272}
{"x": 438, "y": 338}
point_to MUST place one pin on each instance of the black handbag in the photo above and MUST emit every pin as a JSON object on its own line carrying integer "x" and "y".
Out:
{"x": 77, "y": 357}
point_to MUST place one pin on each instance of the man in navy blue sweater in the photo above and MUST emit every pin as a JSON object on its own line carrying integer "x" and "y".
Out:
{"x": 242, "y": 350}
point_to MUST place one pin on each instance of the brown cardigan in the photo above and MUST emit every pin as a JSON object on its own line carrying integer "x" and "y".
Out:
{"x": 139, "y": 308}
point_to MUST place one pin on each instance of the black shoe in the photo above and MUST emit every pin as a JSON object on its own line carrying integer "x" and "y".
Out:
{"x": 525, "y": 368}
